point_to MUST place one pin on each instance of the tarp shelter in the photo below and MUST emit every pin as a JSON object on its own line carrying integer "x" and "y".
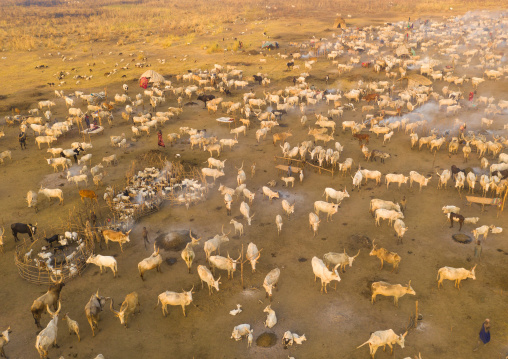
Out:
{"x": 402, "y": 51}
{"x": 153, "y": 76}
{"x": 339, "y": 23}
{"x": 143, "y": 82}
{"x": 270, "y": 45}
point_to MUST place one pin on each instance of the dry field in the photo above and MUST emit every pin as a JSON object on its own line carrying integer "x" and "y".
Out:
{"x": 334, "y": 323}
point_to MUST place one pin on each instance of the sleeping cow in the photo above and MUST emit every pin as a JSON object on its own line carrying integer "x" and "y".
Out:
{"x": 23, "y": 228}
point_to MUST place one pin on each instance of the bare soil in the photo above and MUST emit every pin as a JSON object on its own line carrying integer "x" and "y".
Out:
{"x": 334, "y": 323}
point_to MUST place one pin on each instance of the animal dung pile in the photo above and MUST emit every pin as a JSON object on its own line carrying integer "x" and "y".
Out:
{"x": 147, "y": 189}
{"x": 462, "y": 238}
{"x": 173, "y": 241}
{"x": 266, "y": 340}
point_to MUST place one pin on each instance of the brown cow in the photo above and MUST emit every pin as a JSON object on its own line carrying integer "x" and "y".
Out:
{"x": 282, "y": 136}
{"x": 86, "y": 193}
{"x": 371, "y": 97}
{"x": 362, "y": 137}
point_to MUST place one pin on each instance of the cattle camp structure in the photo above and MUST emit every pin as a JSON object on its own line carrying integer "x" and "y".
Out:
{"x": 151, "y": 180}
{"x": 414, "y": 80}
{"x": 67, "y": 261}
{"x": 339, "y": 23}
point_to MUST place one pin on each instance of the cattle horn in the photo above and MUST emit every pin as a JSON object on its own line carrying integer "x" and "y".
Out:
{"x": 240, "y": 256}
{"x": 409, "y": 284}
{"x": 259, "y": 255}
{"x": 111, "y": 307}
{"x": 357, "y": 254}
{"x": 474, "y": 267}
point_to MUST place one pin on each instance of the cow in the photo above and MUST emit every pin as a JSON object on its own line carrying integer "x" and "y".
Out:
{"x": 173, "y": 298}
{"x": 113, "y": 236}
{"x": 391, "y": 290}
{"x": 456, "y": 274}
{"x": 362, "y": 137}
{"x": 329, "y": 208}
{"x": 85, "y": 193}
{"x": 381, "y": 338}
{"x": 320, "y": 270}
{"x": 23, "y": 228}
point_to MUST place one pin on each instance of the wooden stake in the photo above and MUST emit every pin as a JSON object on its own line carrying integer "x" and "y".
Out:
{"x": 241, "y": 267}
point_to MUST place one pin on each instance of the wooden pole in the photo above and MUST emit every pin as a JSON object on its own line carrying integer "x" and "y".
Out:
{"x": 241, "y": 267}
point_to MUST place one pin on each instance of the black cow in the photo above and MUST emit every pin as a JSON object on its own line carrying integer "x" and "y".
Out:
{"x": 205, "y": 98}
{"x": 259, "y": 79}
{"x": 290, "y": 65}
{"x": 51, "y": 239}
{"x": 501, "y": 174}
{"x": 71, "y": 153}
{"x": 23, "y": 228}
{"x": 456, "y": 170}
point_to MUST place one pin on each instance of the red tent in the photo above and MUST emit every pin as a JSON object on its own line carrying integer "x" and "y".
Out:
{"x": 143, "y": 82}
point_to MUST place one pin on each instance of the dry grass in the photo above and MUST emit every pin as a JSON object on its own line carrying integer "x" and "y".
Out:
{"x": 87, "y": 32}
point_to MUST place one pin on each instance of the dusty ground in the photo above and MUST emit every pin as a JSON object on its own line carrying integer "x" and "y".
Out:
{"x": 334, "y": 323}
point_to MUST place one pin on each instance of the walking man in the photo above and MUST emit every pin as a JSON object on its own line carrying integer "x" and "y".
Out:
{"x": 145, "y": 237}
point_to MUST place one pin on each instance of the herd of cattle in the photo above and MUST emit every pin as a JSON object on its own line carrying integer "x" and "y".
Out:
{"x": 375, "y": 44}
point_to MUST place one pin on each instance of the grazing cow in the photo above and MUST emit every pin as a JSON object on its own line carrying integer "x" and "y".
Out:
{"x": 23, "y": 228}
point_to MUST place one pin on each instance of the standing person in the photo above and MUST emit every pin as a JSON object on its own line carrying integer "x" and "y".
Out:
{"x": 484, "y": 336}
{"x": 87, "y": 120}
{"x": 327, "y": 78}
{"x": 471, "y": 95}
{"x": 160, "y": 141}
{"x": 294, "y": 81}
{"x": 289, "y": 171}
{"x": 145, "y": 237}
{"x": 478, "y": 250}
{"x": 22, "y": 139}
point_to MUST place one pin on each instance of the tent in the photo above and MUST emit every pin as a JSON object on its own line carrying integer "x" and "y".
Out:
{"x": 415, "y": 80}
{"x": 270, "y": 45}
{"x": 153, "y": 76}
{"x": 339, "y": 23}
{"x": 402, "y": 51}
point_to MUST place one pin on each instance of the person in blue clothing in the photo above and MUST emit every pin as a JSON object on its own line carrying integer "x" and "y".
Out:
{"x": 484, "y": 336}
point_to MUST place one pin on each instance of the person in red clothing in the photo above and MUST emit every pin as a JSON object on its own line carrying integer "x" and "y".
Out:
{"x": 471, "y": 95}
{"x": 160, "y": 141}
